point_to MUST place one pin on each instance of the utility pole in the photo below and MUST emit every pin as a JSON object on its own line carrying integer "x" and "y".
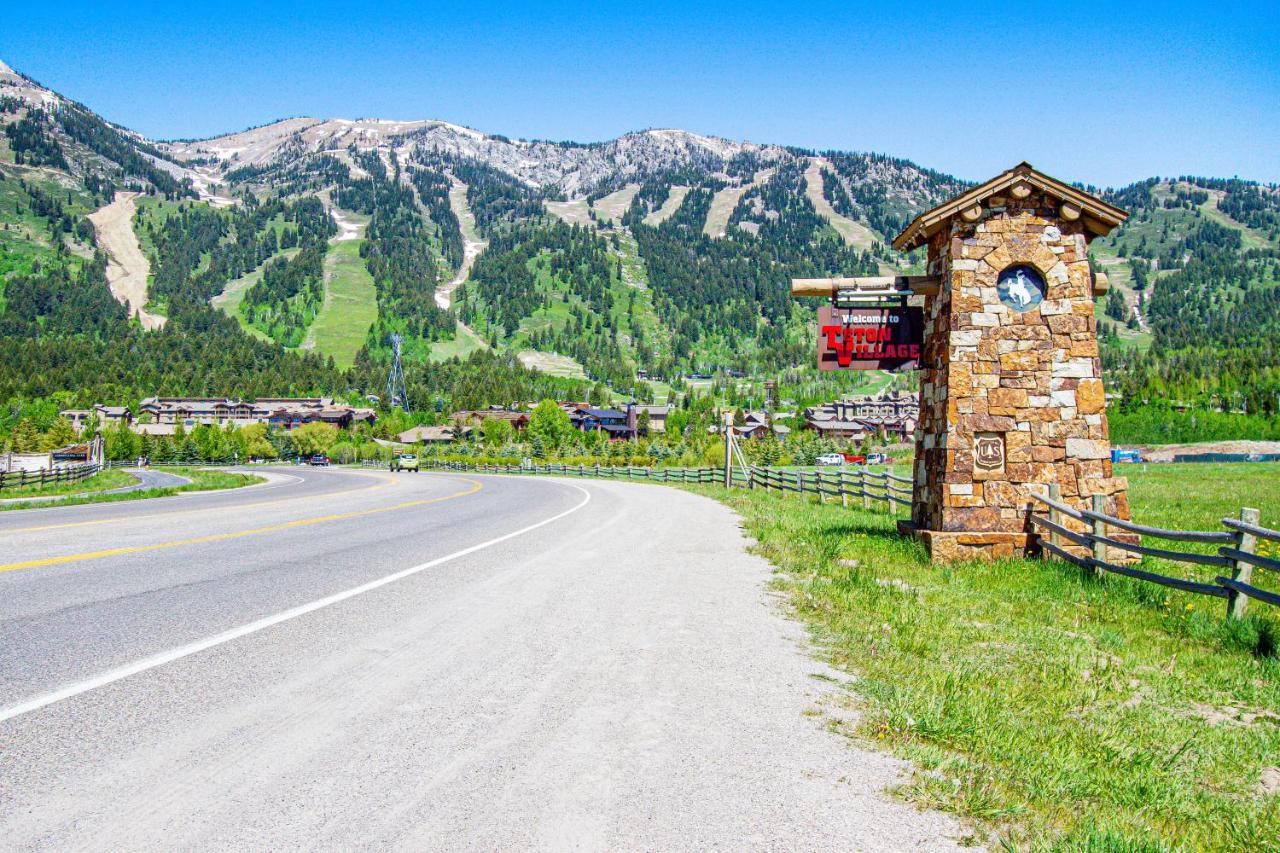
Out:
{"x": 397, "y": 395}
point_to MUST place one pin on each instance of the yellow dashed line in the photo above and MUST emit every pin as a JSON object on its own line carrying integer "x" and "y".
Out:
{"x": 220, "y": 537}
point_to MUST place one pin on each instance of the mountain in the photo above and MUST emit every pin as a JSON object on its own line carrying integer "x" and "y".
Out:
{"x": 303, "y": 244}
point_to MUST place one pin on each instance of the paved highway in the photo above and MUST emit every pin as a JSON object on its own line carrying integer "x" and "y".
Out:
{"x": 349, "y": 659}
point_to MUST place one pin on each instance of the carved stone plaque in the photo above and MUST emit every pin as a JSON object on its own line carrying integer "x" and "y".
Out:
{"x": 988, "y": 450}
{"x": 1021, "y": 287}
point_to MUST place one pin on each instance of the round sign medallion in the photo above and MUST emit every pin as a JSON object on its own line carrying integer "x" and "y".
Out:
{"x": 1021, "y": 287}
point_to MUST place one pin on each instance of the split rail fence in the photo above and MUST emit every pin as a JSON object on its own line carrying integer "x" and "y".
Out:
{"x": 47, "y": 476}
{"x": 873, "y": 488}
{"x": 1237, "y": 551}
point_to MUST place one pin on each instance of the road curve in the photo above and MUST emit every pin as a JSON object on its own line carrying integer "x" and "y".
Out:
{"x": 353, "y": 659}
{"x": 144, "y": 478}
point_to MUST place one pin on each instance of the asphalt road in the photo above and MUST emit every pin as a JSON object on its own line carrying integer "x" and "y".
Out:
{"x": 352, "y": 659}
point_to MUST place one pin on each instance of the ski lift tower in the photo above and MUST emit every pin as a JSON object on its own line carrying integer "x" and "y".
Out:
{"x": 397, "y": 395}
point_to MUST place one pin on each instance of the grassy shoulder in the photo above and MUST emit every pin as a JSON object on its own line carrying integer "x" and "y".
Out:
{"x": 1056, "y": 710}
{"x": 111, "y": 478}
{"x": 202, "y": 480}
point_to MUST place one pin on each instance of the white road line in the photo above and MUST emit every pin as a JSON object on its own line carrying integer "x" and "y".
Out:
{"x": 166, "y": 657}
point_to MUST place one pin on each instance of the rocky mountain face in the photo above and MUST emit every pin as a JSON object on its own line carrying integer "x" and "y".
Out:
{"x": 565, "y": 168}
{"x": 661, "y": 251}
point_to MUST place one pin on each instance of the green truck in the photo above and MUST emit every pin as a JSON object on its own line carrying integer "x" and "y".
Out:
{"x": 405, "y": 462}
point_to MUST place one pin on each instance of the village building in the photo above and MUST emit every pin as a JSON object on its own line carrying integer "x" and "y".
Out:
{"x": 758, "y": 425}
{"x": 657, "y": 417}
{"x": 432, "y": 435}
{"x": 280, "y": 412}
{"x": 620, "y": 426}
{"x": 100, "y": 415}
{"x": 475, "y": 418}
{"x": 884, "y": 415}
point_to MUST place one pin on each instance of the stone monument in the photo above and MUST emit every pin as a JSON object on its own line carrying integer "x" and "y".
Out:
{"x": 1011, "y": 393}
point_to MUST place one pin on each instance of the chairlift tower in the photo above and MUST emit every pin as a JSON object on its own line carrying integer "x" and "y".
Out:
{"x": 397, "y": 395}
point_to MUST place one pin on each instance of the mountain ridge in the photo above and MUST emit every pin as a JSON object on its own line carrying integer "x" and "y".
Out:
{"x": 661, "y": 252}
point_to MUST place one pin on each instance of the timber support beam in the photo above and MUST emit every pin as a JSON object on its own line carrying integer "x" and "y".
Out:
{"x": 867, "y": 286}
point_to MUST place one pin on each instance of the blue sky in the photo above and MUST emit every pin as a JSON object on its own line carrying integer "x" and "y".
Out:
{"x": 1104, "y": 94}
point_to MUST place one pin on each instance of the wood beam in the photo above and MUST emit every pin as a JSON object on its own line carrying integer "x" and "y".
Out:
{"x": 926, "y": 285}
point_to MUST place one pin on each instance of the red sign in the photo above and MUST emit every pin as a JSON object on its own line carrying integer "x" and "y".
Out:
{"x": 869, "y": 338}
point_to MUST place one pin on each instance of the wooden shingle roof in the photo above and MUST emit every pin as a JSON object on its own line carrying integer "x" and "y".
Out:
{"x": 1099, "y": 217}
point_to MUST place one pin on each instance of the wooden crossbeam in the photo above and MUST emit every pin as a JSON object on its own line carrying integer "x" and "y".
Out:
{"x": 869, "y": 285}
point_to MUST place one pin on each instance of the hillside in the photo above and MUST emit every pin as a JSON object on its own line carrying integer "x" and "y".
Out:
{"x": 304, "y": 243}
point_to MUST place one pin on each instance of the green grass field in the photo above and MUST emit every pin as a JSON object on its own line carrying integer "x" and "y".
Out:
{"x": 464, "y": 343}
{"x": 111, "y": 478}
{"x": 1052, "y": 709}
{"x": 350, "y": 305}
{"x": 202, "y": 480}
{"x": 232, "y": 296}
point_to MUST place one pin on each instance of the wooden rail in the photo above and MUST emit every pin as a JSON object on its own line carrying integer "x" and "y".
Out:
{"x": 47, "y": 476}
{"x": 1237, "y": 549}
{"x": 871, "y": 487}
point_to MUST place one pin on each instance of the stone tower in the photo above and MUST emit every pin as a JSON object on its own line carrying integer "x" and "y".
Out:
{"x": 1011, "y": 392}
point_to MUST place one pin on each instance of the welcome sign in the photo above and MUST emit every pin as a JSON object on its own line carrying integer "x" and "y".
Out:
{"x": 869, "y": 338}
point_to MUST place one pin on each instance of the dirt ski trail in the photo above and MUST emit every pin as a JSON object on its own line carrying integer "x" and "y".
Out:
{"x": 127, "y": 267}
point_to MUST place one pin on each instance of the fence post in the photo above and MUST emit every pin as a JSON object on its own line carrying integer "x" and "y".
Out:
{"x": 1098, "y": 503}
{"x": 863, "y": 485}
{"x": 728, "y": 455}
{"x": 1243, "y": 572}
{"x": 844, "y": 495}
{"x": 1055, "y": 515}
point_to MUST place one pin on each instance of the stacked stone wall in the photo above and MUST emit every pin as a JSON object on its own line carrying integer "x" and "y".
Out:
{"x": 1031, "y": 381}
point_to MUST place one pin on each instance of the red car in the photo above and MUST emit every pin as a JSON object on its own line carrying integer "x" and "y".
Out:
{"x": 855, "y": 458}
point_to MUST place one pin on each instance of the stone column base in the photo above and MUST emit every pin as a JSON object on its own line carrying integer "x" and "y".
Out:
{"x": 950, "y": 547}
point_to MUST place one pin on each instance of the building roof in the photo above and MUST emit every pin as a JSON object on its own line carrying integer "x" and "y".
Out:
{"x": 496, "y": 414}
{"x": 601, "y": 414}
{"x": 1099, "y": 217}
{"x": 155, "y": 429}
{"x": 823, "y": 426}
{"x": 427, "y": 433}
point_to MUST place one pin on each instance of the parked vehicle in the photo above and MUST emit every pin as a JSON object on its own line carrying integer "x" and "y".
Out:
{"x": 1122, "y": 454}
{"x": 855, "y": 458}
{"x": 405, "y": 462}
{"x": 831, "y": 459}
{"x": 877, "y": 459}
{"x": 319, "y": 461}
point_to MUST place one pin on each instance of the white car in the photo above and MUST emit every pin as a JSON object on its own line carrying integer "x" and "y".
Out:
{"x": 831, "y": 459}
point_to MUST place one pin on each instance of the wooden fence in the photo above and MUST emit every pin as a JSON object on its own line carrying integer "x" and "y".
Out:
{"x": 871, "y": 487}
{"x": 1237, "y": 550}
{"x": 862, "y": 483}
{"x": 47, "y": 476}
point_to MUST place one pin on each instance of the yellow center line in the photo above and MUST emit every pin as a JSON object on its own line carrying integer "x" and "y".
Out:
{"x": 238, "y": 534}
{"x": 384, "y": 482}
